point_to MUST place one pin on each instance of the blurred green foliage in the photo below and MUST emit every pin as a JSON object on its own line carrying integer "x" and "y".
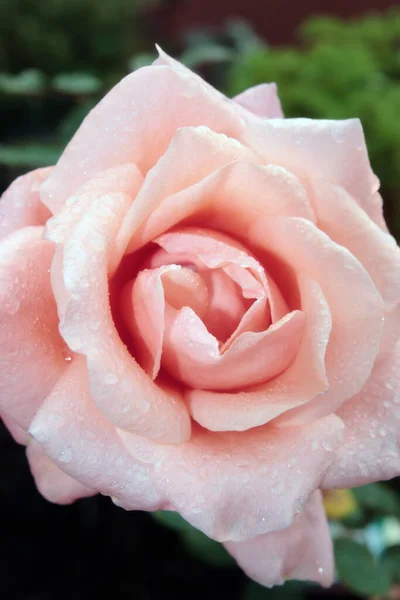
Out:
{"x": 56, "y": 36}
{"x": 57, "y": 59}
{"x": 341, "y": 70}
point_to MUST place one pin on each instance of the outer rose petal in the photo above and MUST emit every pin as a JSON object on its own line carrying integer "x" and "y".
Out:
{"x": 136, "y": 121}
{"x": 229, "y": 486}
{"x": 302, "y": 551}
{"x": 119, "y": 387}
{"x": 81, "y": 442}
{"x": 55, "y": 485}
{"x": 347, "y": 224}
{"x": 331, "y": 150}
{"x": 234, "y": 486}
{"x": 371, "y": 447}
{"x": 20, "y": 205}
{"x": 354, "y": 302}
{"x": 32, "y": 353}
{"x": 262, "y": 100}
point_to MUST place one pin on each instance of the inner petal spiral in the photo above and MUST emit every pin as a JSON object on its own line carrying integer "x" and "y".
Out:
{"x": 203, "y": 309}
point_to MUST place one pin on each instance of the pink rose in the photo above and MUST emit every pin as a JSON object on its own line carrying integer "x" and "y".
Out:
{"x": 200, "y": 313}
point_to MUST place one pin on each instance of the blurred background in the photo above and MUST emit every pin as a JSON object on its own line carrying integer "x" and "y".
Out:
{"x": 333, "y": 60}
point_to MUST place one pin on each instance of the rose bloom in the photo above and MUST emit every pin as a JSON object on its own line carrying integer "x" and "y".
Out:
{"x": 200, "y": 313}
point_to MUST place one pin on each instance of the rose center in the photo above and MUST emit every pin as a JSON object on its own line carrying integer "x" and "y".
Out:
{"x": 203, "y": 309}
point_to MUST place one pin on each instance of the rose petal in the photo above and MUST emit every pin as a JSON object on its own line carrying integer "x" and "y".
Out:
{"x": 370, "y": 450}
{"x": 55, "y": 485}
{"x": 356, "y": 306}
{"x": 215, "y": 250}
{"x": 136, "y": 121}
{"x": 248, "y": 485}
{"x": 144, "y": 308}
{"x": 235, "y": 486}
{"x": 348, "y": 225}
{"x": 32, "y": 353}
{"x": 192, "y": 355}
{"x": 119, "y": 387}
{"x": 262, "y": 100}
{"x": 302, "y": 381}
{"x": 229, "y": 199}
{"x": 302, "y": 551}
{"x": 331, "y": 150}
{"x": 193, "y": 153}
{"x": 20, "y": 205}
{"x": 81, "y": 442}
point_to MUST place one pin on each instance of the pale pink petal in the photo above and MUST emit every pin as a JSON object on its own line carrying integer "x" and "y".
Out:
{"x": 119, "y": 387}
{"x": 302, "y": 551}
{"x": 226, "y": 304}
{"x": 32, "y": 353}
{"x": 192, "y": 355}
{"x": 81, "y": 442}
{"x": 144, "y": 308}
{"x": 125, "y": 179}
{"x": 136, "y": 121}
{"x": 331, "y": 150}
{"x": 391, "y": 331}
{"x": 20, "y": 205}
{"x": 55, "y": 485}
{"x": 231, "y": 486}
{"x": 230, "y": 198}
{"x": 348, "y": 225}
{"x": 303, "y": 380}
{"x": 356, "y": 306}
{"x": 235, "y": 486}
{"x": 371, "y": 446}
{"x": 192, "y": 154}
{"x": 262, "y": 100}
{"x": 20, "y": 435}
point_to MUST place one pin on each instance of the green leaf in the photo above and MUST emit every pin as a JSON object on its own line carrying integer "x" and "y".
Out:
{"x": 391, "y": 560}
{"x": 358, "y": 570}
{"x": 31, "y": 155}
{"x": 27, "y": 82}
{"x": 205, "y": 549}
{"x": 378, "y": 498}
{"x": 171, "y": 519}
{"x": 78, "y": 83}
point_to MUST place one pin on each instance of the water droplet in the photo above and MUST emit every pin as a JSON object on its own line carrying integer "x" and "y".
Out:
{"x": 65, "y": 456}
{"x": 13, "y": 352}
{"x": 388, "y": 385}
{"x": 382, "y": 432}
